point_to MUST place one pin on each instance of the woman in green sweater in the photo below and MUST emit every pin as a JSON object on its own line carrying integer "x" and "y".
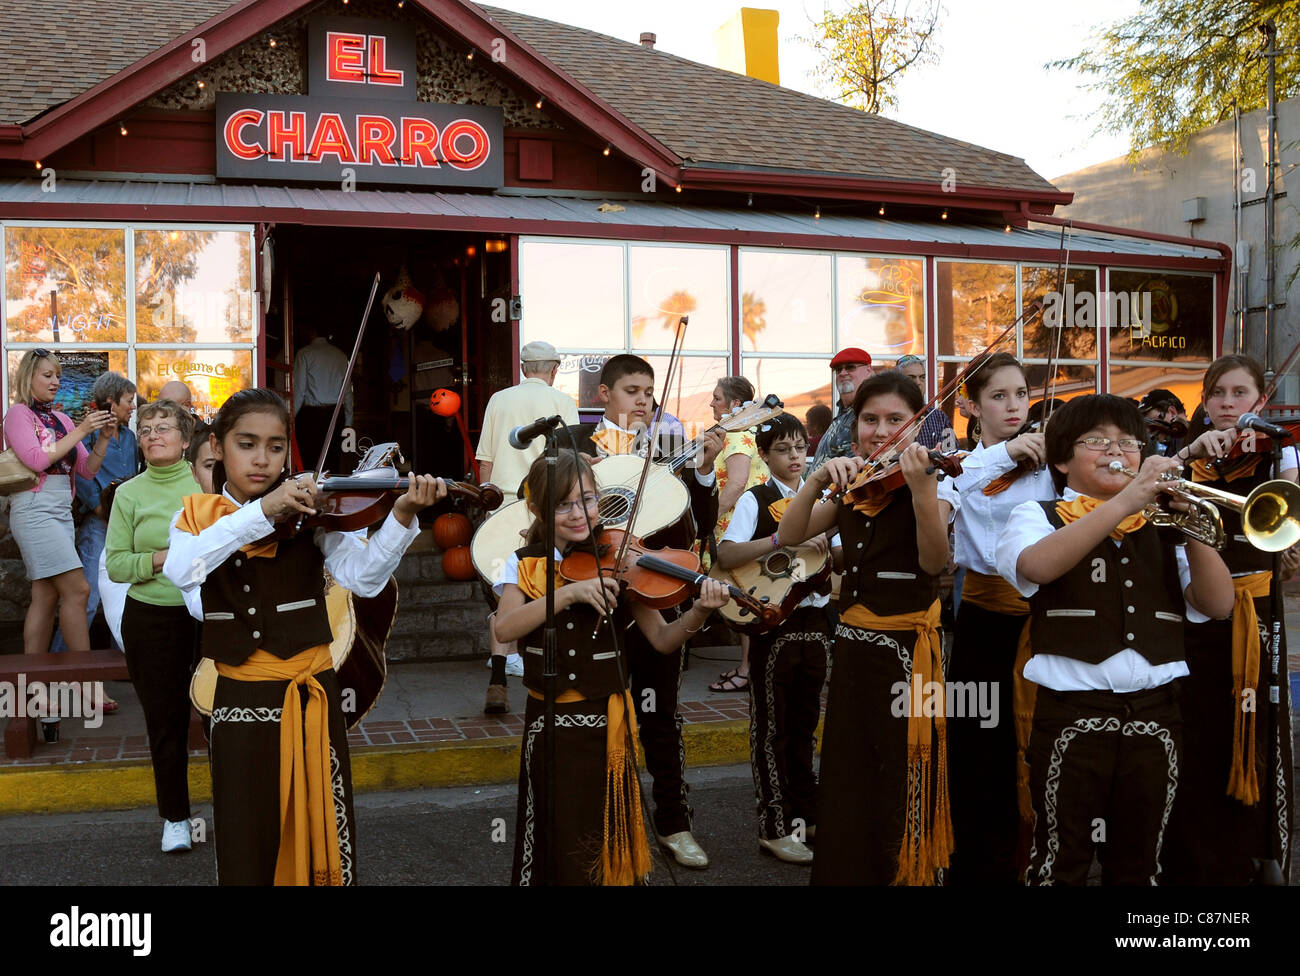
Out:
{"x": 158, "y": 633}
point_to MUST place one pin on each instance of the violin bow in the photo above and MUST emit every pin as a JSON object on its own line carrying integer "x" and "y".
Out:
{"x": 347, "y": 381}
{"x": 1054, "y": 348}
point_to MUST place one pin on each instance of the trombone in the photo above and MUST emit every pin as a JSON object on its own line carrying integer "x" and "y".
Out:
{"x": 1270, "y": 515}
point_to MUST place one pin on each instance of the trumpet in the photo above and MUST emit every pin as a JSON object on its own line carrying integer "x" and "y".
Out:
{"x": 1270, "y": 515}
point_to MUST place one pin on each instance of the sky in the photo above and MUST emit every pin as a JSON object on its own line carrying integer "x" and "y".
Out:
{"x": 990, "y": 86}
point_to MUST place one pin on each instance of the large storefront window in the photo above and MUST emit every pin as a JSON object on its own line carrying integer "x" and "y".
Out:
{"x": 880, "y": 304}
{"x": 592, "y": 301}
{"x": 188, "y": 314}
{"x": 65, "y": 284}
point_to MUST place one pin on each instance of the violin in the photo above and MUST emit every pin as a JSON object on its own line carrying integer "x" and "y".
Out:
{"x": 880, "y": 479}
{"x": 1176, "y": 428}
{"x": 659, "y": 578}
{"x": 357, "y": 501}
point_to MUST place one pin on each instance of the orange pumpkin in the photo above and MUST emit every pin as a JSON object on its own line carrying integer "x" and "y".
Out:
{"x": 445, "y": 403}
{"x": 451, "y": 530}
{"x": 457, "y": 564}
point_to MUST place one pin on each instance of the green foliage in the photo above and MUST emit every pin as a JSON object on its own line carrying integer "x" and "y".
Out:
{"x": 1174, "y": 67}
{"x": 865, "y": 50}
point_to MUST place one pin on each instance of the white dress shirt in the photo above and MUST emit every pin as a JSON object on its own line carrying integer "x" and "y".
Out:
{"x": 979, "y": 519}
{"x": 744, "y": 520}
{"x": 318, "y": 371}
{"x": 358, "y": 564}
{"x": 1124, "y": 671}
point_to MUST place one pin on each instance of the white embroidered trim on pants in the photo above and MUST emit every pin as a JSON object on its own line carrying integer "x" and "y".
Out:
{"x": 234, "y": 713}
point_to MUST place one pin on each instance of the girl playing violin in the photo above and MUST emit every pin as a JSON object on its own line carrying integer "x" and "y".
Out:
{"x": 281, "y": 779}
{"x": 883, "y": 803}
{"x": 599, "y": 835}
{"x": 1218, "y": 829}
{"x": 990, "y": 619}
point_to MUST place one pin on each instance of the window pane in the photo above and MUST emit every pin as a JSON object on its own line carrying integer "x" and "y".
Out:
{"x": 881, "y": 304}
{"x": 668, "y": 282}
{"x": 785, "y": 301}
{"x": 1135, "y": 381}
{"x": 1071, "y": 381}
{"x": 193, "y": 286}
{"x": 1076, "y": 308}
{"x": 688, "y": 400}
{"x": 85, "y": 265}
{"x": 211, "y": 374}
{"x": 976, "y": 302}
{"x": 800, "y": 383}
{"x": 1178, "y": 308}
{"x": 81, "y": 367}
{"x": 572, "y": 294}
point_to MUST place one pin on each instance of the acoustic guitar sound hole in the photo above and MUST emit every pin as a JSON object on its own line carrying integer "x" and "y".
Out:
{"x": 777, "y": 565}
{"x": 615, "y": 506}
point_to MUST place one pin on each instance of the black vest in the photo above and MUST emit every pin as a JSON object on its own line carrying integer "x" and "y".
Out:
{"x": 584, "y": 654}
{"x": 276, "y": 604}
{"x": 765, "y": 494}
{"x": 882, "y": 567}
{"x": 1239, "y": 555}
{"x": 1115, "y": 597}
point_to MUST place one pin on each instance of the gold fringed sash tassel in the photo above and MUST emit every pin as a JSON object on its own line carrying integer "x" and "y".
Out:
{"x": 927, "y": 838}
{"x": 309, "y": 840}
{"x": 1243, "y": 781}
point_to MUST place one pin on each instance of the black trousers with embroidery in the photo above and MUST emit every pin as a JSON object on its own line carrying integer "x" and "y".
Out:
{"x": 982, "y": 756}
{"x": 1103, "y": 773}
{"x": 245, "y": 754}
{"x": 787, "y": 669}
{"x": 656, "y": 681}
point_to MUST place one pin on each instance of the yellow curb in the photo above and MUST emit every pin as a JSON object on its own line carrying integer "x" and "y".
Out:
{"x": 75, "y": 787}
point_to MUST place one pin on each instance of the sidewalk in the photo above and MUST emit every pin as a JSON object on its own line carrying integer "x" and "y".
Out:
{"x": 428, "y": 730}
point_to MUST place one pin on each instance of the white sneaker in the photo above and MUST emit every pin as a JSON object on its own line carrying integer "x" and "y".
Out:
{"x": 514, "y": 665}
{"x": 176, "y": 836}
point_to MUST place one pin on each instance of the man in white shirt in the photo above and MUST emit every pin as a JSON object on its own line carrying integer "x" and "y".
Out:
{"x": 318, "y": 371}
{"x": 506, "y": 466}
{"x": 535, "y": 396}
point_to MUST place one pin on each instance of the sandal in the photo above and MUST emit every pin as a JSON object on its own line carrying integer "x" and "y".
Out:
{"x": 728, "y": 684}
{"x": 724, "y": 675}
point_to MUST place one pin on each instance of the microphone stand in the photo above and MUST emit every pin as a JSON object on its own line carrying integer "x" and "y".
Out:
{"x": 549, "y": 673}
{"x": 1270, "y": 871}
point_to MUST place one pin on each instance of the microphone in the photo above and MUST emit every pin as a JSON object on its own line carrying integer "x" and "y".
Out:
{"x": 1253, "y": 421}
{"x": 525, "y": 434}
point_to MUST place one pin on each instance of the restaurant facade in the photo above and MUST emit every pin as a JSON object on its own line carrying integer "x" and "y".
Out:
{"x": 211, "y": 176}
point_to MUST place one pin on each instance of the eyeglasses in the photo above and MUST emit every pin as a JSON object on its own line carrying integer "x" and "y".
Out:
{"x": 162, "y": 430}
{"x": 1128, "y": 445}
{"x": 790, "y": 450}
{"x": 848, "y": 367}
{"x": 589, "y": 501}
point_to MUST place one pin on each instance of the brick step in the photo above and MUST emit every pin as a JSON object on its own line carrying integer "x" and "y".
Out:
{"x": 435, "y": 622}
{"x": 426, "y": 592}
{"x": 443, "y": 647}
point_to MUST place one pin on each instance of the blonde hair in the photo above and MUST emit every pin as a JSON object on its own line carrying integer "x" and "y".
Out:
{"x": 27, "y": 369}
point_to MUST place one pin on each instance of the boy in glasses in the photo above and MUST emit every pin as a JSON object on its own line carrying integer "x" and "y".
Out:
{"x": 1108, "y": 593}
{"x": 788, "y": 663}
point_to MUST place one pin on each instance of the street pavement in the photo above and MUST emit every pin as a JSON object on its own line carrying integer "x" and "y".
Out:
{"x": 417, "y": 837}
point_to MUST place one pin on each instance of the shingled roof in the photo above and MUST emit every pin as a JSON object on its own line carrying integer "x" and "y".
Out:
{"x": 58, "y": 49}
{"x": 715, "y": 117}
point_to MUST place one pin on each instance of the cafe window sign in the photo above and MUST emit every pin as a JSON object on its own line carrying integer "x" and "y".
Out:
{"x": 361, "y": 120}
{"x": 155, "y": 303}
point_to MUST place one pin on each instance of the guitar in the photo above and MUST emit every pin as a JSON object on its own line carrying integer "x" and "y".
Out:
{"x": 667, "y": 501}
{"x": 781, "y": 578}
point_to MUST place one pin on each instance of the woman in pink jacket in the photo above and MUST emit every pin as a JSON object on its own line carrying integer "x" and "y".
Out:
{"x": 41, "y": 519}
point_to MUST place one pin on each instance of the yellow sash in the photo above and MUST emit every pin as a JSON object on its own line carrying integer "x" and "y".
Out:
{"x": 993, "y": 593}
{"x": 1243, "y": 782}
{"x": 624, "y": 851}
{"x": 612, "y": 441}
{"x": 200, "y": 511}
{"x": 1081, "y": 505}
{"x": 777, "y": 508}
{"x": 927, "y": 841}
{"x": 309, "y": 839}
{"x": 532, "y": 576}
